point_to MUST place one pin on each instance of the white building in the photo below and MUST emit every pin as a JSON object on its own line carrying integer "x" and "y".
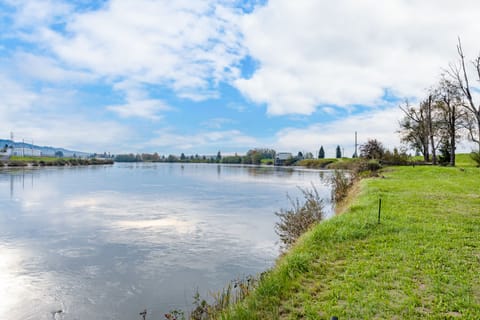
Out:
{"x": 282, "y": 157}
{"x": 27, "y": 152}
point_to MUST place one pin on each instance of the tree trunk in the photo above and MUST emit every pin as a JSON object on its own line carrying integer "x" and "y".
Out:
{"x": 452, "y": 151}
{"x": 430, "y": 129}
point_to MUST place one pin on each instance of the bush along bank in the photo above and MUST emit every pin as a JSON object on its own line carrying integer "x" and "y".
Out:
{"x": 45, "y": 162}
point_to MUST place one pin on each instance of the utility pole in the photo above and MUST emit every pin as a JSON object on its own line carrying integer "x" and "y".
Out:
{"x": 355, "y": 154}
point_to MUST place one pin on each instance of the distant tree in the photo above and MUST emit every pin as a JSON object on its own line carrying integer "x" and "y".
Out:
{"x": 182, "y": 156}
{"x": 59, "y": 154}
{"x": 125, "y": 158}
{"x": 300, "y": 155}
{"x": 338, "y": 152}
{"x": 155, "y": 157}
{"x": 308, "y": 155}
{"x": 232, "y": 159}
{"x": 256, "y": 158}
{"x": 219, "y": 156}
{"x": 321, "y": 153}
{"x": 372, "y": 149}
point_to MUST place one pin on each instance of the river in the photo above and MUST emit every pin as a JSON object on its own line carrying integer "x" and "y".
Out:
{"x": 107, "y": 242}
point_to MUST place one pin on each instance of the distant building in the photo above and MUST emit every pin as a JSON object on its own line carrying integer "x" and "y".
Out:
{"x": 282, "y": 157}
{"x": 27, "y": 152}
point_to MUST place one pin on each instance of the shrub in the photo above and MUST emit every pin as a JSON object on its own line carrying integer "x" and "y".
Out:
{"x": 372, "y": 149}
{"x": 17, "y": 164}
{"x": 373, "y": 165}
{"x": 341, "y": 183}
{"x": 396, "y": 158}
{"x": 295, "y": 221}
{"x": 475, "y": 155}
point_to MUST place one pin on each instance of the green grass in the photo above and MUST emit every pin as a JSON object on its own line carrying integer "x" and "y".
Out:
{"x": 329, "y": 163}
{"x": 421, "y": 261}
{"x": 464, "y": 160}
{"x": 38, "y": 159}
{"x": 18, "y": 161}
{"x": 315, "y": 163}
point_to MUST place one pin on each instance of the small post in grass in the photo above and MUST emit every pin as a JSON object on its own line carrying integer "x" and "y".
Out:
{"x": 379, "y": 208}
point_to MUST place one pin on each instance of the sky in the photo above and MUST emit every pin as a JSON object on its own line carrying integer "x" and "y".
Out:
{"x": 204, "y": 76}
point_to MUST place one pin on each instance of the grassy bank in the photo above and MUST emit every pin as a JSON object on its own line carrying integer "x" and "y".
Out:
{"x": 421, "y": 261}
{"x": 16, "y": 161}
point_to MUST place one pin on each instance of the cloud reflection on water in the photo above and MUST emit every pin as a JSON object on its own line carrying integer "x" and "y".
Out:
{"x": 111, "y": 241}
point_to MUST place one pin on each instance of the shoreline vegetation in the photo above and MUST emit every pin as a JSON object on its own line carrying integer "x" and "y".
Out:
{"x": 419, "y": 259}
{"x": 18, "y": 161}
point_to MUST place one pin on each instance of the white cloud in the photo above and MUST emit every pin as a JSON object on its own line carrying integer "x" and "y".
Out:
{"x": 187, "y": 46}
{"x": 349, "y": 52}
{"x": 35, "y": 13}
{"x": 138, "y": 104}
{"x": 13, "y": 97}
{"x": 376, "y": 124}
{"x": 41, "y": 117}
{"x": 74, "y": 132}
{"x": 217, "y": 123}
{"x": 211, "y": 141}
{"x": 43, "y": 68}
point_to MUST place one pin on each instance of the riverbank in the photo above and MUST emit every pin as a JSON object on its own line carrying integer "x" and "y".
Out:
{"x": 15, "y": 162}
{"x": 421, "y": 261}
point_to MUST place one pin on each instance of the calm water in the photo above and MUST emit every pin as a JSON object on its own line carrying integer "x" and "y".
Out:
{"x": 107, "y": 242}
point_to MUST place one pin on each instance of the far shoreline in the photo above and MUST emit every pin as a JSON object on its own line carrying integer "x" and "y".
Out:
{"x": 54, "y": 162}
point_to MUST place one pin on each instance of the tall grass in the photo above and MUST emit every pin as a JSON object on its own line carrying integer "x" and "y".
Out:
{"x": 300, "y": 217}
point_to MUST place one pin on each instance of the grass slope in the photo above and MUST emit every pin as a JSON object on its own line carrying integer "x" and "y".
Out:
{"x": 421, "y": 261}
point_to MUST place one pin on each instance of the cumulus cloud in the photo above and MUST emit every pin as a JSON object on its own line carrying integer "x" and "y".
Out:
{"x": 188, "y": 46}
{"x": 14, "y": 97}
{"x": 37, "y": 116}
{"x": 378, "y": 124}
{"x": 210, "y": 141}
{"x": 75, "y": 132}
{"x": 32, "y": 14}
{"x": 217, "y": 123}
{"x": 138, "y": 104}
{"x": 347, "y": 52}
{"x": 37, "y": 67}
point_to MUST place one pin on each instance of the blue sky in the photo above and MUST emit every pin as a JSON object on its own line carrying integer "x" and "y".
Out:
{"x": 229, "y": 75}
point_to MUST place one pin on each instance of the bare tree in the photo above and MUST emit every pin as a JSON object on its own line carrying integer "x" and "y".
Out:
{"x": 453, "y": 117}
{"x": 460, "y": 77}
{"x": 414, "y": 129}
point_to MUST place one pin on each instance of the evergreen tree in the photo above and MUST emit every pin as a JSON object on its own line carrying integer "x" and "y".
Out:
{"x": 321, "y": 153}
{"x": 338, "y": 152}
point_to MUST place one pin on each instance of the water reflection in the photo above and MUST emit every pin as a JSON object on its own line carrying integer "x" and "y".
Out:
{"x": 107, "y": 242}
